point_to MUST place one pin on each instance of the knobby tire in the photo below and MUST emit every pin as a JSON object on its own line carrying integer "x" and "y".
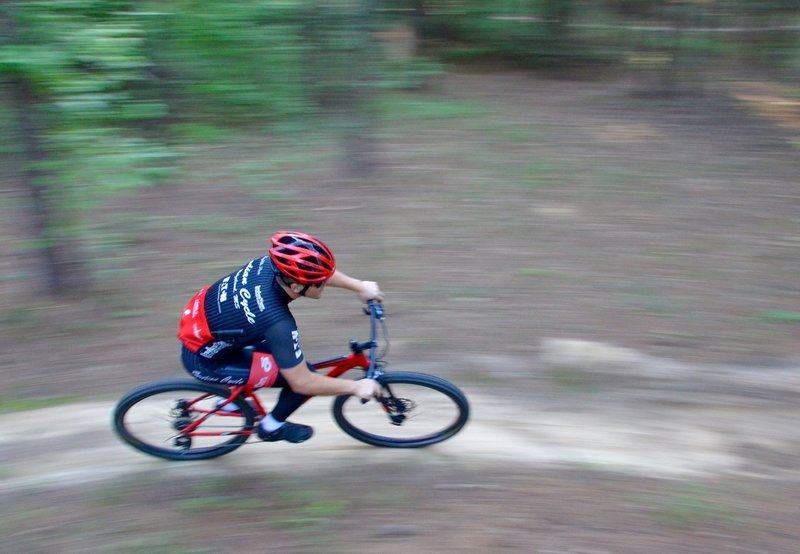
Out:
{"x": 440, "y": 396}
{"x": 125, "y": 426}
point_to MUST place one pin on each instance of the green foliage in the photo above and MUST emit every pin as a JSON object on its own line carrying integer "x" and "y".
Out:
{"x": 8, "y": 405}
{"x": 403, "y": 107}
{"x": 115, "y": 87}
{"x": 220, "y": 503}
{"x": 532, "y": 34}
{"x": 692, "y": 506}
{"x": 410, "y": 74}
{"x": 574, "y": 379}
{"x": 231, "y": 61}
{"x": 557, "y": 33}
{"x": 86, "y": 63}
{"x": 540, "y": 273}
{"x": 781, "y": 316}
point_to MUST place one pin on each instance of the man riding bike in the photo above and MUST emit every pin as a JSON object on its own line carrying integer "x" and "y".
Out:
{"x": 250, "y": 308}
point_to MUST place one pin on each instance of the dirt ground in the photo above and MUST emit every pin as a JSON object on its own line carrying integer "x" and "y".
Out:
{"x": 611, "y": 279}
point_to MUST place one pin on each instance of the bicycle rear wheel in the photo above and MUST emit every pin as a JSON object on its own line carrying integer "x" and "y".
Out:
{"x": 416, "y": 410}
{"x": 158, "y": 419}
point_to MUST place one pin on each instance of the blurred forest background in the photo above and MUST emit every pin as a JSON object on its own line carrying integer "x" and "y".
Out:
{"x": 101, "y": 96}
{"x": 102, "y": 99}
{"x": 584, "y": 213}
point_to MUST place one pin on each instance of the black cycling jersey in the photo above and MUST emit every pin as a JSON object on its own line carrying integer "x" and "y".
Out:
{"x": 253, "y": 309}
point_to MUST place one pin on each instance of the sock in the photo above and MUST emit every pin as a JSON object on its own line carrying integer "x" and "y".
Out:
{"x": 270, "y": 424}
{"x": 229, "y": 408}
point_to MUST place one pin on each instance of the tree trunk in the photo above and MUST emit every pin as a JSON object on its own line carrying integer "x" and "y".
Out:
{"x": 419, "y": 26}
{"x": 671, "y": 75}
{"x": 58, "y": 269}
{"x": 359, "y": 140}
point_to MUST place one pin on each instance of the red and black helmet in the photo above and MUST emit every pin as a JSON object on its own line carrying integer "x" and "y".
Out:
{"x": 301, "y": 257}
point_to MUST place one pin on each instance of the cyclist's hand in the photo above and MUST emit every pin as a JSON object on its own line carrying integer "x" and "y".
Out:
{"x": 367, "y": 389}
{"x": 369, "y": 290}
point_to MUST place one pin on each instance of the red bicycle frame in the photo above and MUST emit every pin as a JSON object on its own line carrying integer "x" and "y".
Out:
{"x": 336, "y": 366}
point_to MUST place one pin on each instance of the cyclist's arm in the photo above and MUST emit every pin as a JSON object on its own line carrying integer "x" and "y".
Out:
{"x": 366, "y": 290}
{"x": 283, "y": 341}
{"x": 304, "y": 381}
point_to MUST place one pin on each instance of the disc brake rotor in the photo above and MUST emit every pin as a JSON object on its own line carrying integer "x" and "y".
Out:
{"x": 398, "y": 409}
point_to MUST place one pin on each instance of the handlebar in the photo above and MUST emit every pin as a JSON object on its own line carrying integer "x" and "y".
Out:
{"x": 376, "y": 315}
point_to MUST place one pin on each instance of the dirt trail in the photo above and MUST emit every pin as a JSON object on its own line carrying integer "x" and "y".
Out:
{"x": 730, "y": 423}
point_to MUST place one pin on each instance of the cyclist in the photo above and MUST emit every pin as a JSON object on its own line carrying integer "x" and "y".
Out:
{"x": 250, "y": 308}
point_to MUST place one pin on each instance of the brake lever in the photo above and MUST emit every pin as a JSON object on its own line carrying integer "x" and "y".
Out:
{"x": 375, "y": 398}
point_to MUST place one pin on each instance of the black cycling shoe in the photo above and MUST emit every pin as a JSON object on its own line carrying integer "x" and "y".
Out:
{"x": 290, "y": 432}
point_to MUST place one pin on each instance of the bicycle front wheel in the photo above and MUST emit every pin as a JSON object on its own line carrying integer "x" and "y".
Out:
{"x": 416, "y": 410}
{"x": 178, "y": 419}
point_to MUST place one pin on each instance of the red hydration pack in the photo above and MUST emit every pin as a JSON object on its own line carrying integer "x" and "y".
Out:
{"x": 194, "y": 331}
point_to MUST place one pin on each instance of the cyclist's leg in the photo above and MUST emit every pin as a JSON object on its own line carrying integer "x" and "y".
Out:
{"x": 288, "y": 400}
{"x": 274, "y": 427}
{"x": 234, "y": 369}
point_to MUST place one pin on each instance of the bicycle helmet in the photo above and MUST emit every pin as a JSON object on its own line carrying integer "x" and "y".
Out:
{"x": 301, "y": 257}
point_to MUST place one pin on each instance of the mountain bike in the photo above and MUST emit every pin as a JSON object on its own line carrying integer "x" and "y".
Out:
{"x": 184, "y": 419}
